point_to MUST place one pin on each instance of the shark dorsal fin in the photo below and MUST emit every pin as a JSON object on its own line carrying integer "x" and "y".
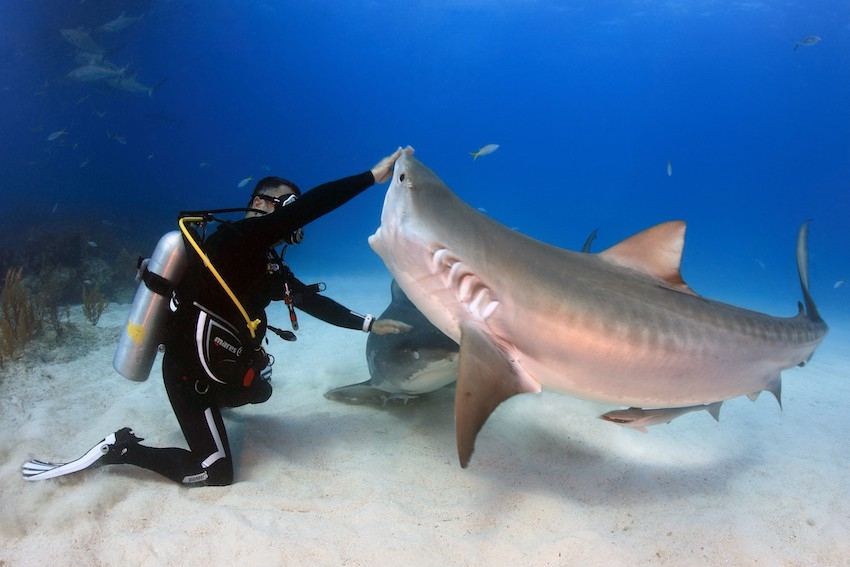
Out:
{"x": 657, "y": 252}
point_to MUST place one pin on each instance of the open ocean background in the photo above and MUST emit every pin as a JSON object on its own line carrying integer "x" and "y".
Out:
{"x": 588, "y": 101}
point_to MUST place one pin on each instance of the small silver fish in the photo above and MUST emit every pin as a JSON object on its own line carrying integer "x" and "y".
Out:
{"x": 488, "y": 149}
{"x": 244, "y": 182}
{"x": 91, "y": 244}
{"x": 57, "y": 134}
{"x": 669, "y": 168}
{"x": 838, "y": 284}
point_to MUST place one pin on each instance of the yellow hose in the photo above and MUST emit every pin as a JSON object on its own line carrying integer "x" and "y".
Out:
{"x": 252, "y": 325}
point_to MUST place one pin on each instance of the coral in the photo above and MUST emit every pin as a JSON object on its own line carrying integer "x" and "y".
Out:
{"x": 20, "y": 322}
{"x": 94, "y": 303}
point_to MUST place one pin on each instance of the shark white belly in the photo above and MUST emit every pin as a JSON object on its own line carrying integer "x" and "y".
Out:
{"x": 618, "y": 327}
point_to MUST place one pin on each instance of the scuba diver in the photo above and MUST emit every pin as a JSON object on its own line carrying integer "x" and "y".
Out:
{"x": 214, "y": 323}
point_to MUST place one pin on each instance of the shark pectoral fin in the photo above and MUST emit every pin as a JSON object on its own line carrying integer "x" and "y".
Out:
{"x": 486, "y": 378}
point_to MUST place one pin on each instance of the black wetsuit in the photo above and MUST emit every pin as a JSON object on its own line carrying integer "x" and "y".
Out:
{"x": 210, "y": 359}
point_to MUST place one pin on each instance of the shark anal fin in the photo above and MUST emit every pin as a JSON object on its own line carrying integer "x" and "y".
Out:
{"x": 486, "y": 378}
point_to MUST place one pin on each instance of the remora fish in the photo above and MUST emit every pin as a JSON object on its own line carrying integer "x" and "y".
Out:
{"x": 618, "y": 327}
{"x": 640, "y": 419}
{"x": 417, "y": 362}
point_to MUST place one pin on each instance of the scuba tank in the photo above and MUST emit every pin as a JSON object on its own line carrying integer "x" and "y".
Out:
{"x": 145, "y": 327}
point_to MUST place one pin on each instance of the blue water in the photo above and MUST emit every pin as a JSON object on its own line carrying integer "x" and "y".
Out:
{"x": 587, "y": 99}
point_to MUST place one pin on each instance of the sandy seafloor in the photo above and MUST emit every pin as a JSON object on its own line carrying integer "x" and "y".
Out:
{"x": 324, "y": 483}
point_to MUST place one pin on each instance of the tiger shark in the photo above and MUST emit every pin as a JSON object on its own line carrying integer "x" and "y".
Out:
{"x": 619, "y": 327}
{"x": 403, "y": 365}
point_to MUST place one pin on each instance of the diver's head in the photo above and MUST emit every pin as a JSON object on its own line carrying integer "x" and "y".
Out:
{"x": 270, "y": 194}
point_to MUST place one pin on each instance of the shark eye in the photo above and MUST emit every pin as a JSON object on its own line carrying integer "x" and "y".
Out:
{"x": 401, "y": 177}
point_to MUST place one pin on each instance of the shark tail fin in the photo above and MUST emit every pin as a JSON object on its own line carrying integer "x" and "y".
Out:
{"x": 486, "y": 378}
{"x": 474, "y": 155}
{"x": 803, "y": 270}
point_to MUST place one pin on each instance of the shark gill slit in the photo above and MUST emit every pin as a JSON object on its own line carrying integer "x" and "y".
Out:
{"x": 464, "y": 291}
{"x": 464, "y": 284}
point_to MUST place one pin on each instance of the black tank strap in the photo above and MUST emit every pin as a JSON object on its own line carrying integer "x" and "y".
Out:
{"x": 157, "y": 284}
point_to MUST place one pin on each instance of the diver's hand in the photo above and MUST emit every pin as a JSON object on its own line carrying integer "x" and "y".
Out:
{"x": 389, "y": 327}
{"x": 383, "y": 170}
